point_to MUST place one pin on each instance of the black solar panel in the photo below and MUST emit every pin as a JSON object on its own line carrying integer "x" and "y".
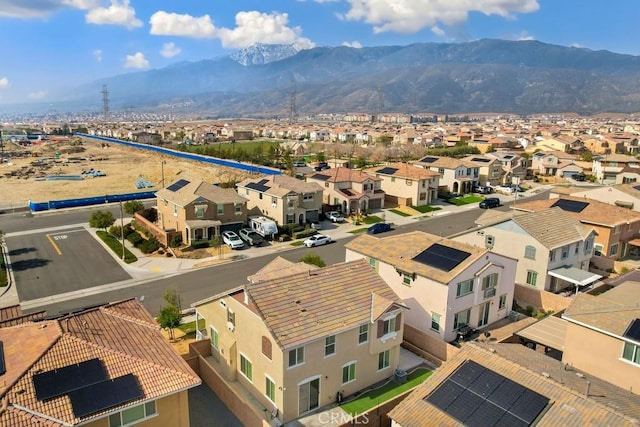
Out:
{"x": 104, "y": 395}
{"x": 347, "y": 192}
{"x": 636, "y": 187}
{"x": 387, "y": 170}
{"x": 428, "y": 159}
{"x": 3, "y": 368}
{"x": 441, "y": 257}
{"x": 570, "y": 205}
{"x": 177, "y": 185}
{"x": 320, "y": 176}
{"x": 259, "y": 186}
{"x": 633, "y": 331}
{"x": 480, "y": 159}
{"x": 489, "y": 399}
{"x": 61, "y": 381}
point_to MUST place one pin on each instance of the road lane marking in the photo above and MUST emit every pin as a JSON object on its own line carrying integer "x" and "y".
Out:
{"x": 55, "y": 246}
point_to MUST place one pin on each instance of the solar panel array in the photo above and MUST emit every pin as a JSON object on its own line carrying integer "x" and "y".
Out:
{"x": 178, "y": 185}
{"x": 441, "y": 257}
{"x": 633, "y": 331}
{"x": 428, "y": 159}
{"x": 479, "y": 397}
{"x": 347, "y": 192}
{"x": 61, "y": 381}
{"x": 387, "y": 170}
{"x": 570, "y": 205}
{"x": 320, "y": 176}
{"x": 481, "y": 160}
{"x": 105, "y": 395}
{"x": 259, "y": 186}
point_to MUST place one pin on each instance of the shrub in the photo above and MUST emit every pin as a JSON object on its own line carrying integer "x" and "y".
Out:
{"x": 176, "y": 241}
{"x": 134, "y": 238}
{"x": 148, "y": 246}
{"x": 304, "y": 233}
{"x": 199, "y": 244}
{"x": 150, "y": 214}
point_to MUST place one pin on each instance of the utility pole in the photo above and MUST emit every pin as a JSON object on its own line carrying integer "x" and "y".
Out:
{"x": 122, "y": 229}
{"x": 162, "y": 169}
{"x": 1, "y": 145}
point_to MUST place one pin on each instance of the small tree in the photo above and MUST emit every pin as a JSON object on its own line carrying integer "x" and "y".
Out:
{"x": 172, "y": 297}
{"x": 312, "y": 259}
{"x": 169, "y": 318}
{"x": 101, "y": 219}
{"x": 133, "y": 206}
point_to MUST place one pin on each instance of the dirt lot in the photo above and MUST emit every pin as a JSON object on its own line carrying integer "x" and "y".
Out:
{"x": 24, "y": 178}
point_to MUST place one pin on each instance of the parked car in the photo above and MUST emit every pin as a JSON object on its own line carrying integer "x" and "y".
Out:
{"x": 314, "y": 223}
{"x": 504, "y": 189}
{"x": 578, "y": 177}
{"x": 379, "y": 227}
{"x": 490, "y": 202}
{"x": 317, "y": 240}
{"x": 251, "y": 237}
{"x": 299, "y": 164}
{"x": 482, "y": 189}
{"x": 231, "y": 239}
{"x": 334, "y": 216}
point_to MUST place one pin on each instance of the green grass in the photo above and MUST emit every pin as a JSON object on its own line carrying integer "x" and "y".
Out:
{"x": 401, "y": 213}
{"x": 425, "y": 208}
{"x": 115, "y": 245}
{"x": 297, "y": 243}
{"x": 459, "y": 201}
{"x": 190, "y": 327}
{"x": 385, "y": 392}
{"x": 358, "y": 230}
{"x": 372, "y": 219}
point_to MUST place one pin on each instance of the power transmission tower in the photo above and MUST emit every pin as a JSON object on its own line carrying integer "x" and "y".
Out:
{"x": 293, "y": 112}
{"x": 105, "y": 103}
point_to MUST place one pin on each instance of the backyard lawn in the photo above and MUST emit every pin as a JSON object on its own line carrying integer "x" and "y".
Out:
{"x": 387, "y": 391}
{"x": 425, "y": 208}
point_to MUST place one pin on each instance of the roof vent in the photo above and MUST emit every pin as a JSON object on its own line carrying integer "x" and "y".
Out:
{"x": 580, "y": 374}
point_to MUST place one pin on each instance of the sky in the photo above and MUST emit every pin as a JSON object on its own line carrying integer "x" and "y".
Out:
{"x": 46, "y": 45}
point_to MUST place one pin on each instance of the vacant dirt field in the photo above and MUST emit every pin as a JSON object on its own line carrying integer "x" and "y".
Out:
{"x": 24, "y": 178}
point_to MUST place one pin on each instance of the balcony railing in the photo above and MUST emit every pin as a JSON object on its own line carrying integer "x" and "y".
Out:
{"x": 490, "y": 292}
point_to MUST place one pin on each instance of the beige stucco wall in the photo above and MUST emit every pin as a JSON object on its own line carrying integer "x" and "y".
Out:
{"x": 409, "y": 188}
{"x": 277, "y": 207}
{"x": 605, "y": 363}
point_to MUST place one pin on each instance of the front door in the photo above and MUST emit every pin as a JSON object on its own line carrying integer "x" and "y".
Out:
{"x": 308, "y": 396}
{"x": 483, "y": 319}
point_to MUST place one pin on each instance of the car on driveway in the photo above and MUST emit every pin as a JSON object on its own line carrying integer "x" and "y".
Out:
{"x": 317, "y": 240}
{"x": 314, "y": 223}
{"x": 490, "y": 202}
{"x": 379, "y": 227}
{"x": 250, "y": 237}
{"x": 231, "y": 239}
{"x": 334, "y": 216}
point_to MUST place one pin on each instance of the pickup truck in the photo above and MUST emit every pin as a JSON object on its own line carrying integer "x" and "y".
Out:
{"x": 251, "y": 237}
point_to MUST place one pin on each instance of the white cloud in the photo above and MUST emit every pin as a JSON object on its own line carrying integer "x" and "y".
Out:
{"x": 577, "y": 45}
{"x": 29, "y": 9}
{"x": 438, "y": 31}
{"x": 524, "y": 36}
{"x": 37, "y": 95}
{"x": 255, "y": 27}
{"x": 410, "y": 16}
{"x": 169, "y": 50}
{"x": 97, "y": 54}
{"x": 116, "y": 14}
{"x": 137, "y": 60}
{"x": 354, "y": 43}
{"x": 173, "y": 24}
{"x": 81, "y": 4}
{"x": 4, "y": 82}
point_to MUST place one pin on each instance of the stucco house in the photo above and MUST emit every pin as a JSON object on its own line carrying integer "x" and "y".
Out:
{"x": 199, "y": 210}
{"x": 446, "y": 284}
{"x": 285, "y": 199}
{"x": 298, "y": 340}
{"x": 607, "y": 168}
{"x": 490, "y": 169}
{"x": 349, "y": 190}
{"x": 555, "y": 163}
{"x": 623, "y": 195}
{"x": 405, "y": 184}
{"x": 456, "y": 175}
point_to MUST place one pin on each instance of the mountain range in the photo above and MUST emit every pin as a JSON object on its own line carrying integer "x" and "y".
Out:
{"x": 519, "y": 77}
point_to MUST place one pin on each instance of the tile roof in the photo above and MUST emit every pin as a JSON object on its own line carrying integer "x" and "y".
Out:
{"x": 281, "y": 185}
{"x": 568, "y": 405}
{"x": 122, "y": 335}
{"x": 197, "y": 188}
{"x": 553, "y": 227}
{"x": 404, "y": 170}
{"x": 344, "y": 175}
{"x": 398, "y": 250}
{"x": 13, "y": 315}
{"x": 595, "y": 212}
{"x": 447, "y": 163}
{"x": 280, "y": 267}
{"x": 303, "y": 307}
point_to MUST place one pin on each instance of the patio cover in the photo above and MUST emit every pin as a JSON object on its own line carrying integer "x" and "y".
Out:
{"x": 575, "y": 275}
{"x": 634, "y": 242}
{"x": 549, "y": 332}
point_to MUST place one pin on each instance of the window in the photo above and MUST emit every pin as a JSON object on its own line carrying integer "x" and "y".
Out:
{"x": 270, "y": 389}
{"x": 617, "y": 229}
{"x": 502, "y": 304}
{"x": 489, "y": 241}
{"x": 532, "y": 278}
{"x": 598, "y": 249}
{"x": 363, "y": 334}
{"x": 274, "y": 200}
{"x": 423, "y": 196}
{"x": 199, "y": 212}
{"x": 464, "y": 288}
{"x": 393, "y": 179}
{"x": 631, "y": 352}
{"x": 441, "y": 171}
{"x": 308, "y": 197}
{"x": 406, "y": 279}
{"x": 296, "y": 357}
{"x": 577, "y": 248}
{"x": 435, "y": 321}
{"x": 330, "y": 345}
{"x": 175, "y": 210}
{"x": 373, "y": 263}
{"x": 349, "y": 372}
{"x": 246, "y": 367}
{"x": 461, "y": 318}
{"x": 530, "y": 252}
{"x": 409, "y": 182}
{"x": 231, "y": 317}
{"x": 260, "y": 196}
{"x": 214, "y": 338}
{"x": 389, "y": 326}
{"x": 383, "y": 359}
{"x": 490, "y": 281}
{"x": 552, "y": 255}
{"x": 565, "y": 252}
{"x": 220, "y": 207}
{"x": 266, "y": 347}
{"x": 613, "y": 250}
{"x": 238, "y": 208}
{"x": 291, "y": 203}
{"x": 133, "y": 414}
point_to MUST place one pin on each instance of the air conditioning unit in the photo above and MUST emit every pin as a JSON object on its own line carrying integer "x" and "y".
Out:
{"x": 231, "y": 326}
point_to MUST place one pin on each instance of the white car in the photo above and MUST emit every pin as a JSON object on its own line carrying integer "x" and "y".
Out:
{"x": 232, "y": 240}
{"x": 317, "y": 240}
{"x": 334, "y": 216}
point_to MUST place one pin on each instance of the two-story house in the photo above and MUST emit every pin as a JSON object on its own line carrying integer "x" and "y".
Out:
{"x": 285, "y": 199}
{"x": 553, "y": 248}
{"x": 298, "y": 341}
{"x": 199, "y": 210}
{"x": 445, "y": 284}
{"x": 405, "y": 184}
{"x": 456, "y": 175}
{"x": 554, "y": 163}
{"x": 489, "y": 168}
{"x": 514, "y": 167}
{"x": 349, "y": 190}
{"x": 617, "y": 228}
{"x": 607, "y": 168}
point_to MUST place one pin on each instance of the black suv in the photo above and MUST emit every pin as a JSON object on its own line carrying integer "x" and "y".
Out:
{"x": 490, "y": 202}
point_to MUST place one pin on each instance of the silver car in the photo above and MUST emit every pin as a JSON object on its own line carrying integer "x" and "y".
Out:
{"x": 232, "y": 240}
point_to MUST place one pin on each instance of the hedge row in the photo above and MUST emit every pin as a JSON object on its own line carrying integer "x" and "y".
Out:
{"x": 115, "y": 245}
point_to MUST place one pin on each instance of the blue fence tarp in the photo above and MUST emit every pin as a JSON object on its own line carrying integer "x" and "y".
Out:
{"x": 89, "y": 201}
